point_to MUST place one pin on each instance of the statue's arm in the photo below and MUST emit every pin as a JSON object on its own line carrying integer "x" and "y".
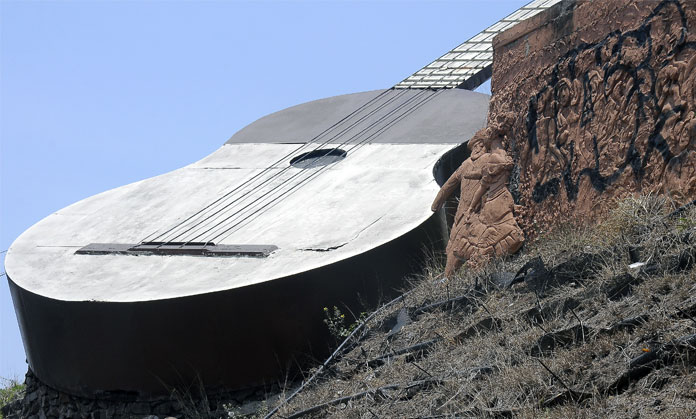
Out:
{"x": 446, "y": 191}
{"x": 577, "y": 88}
{"x": 660, "y": 87}
{"x": 476, "y": 200}
{"x": 472, "y": 174}
{"x": 686, "y": 69}
{"x": 498, "y": 165}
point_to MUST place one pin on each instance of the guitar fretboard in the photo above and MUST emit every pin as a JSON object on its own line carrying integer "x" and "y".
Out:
{"x": 471, "y": 63}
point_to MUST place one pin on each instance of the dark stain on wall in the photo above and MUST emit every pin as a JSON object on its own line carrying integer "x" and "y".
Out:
{"x": 610, "y": 106}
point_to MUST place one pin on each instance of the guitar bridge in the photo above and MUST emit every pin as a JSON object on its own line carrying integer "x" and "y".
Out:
{"x": 178, "y": 249}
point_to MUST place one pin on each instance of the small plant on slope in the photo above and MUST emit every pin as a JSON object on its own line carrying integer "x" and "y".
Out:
{"x": 12, "y": 390}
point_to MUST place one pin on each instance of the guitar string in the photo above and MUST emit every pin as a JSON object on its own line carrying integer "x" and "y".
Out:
{"x": 240, "y": 200}
{"x": 301, "y": 172}
{"x": 250, "y": 180}
{"x": 267, "y": 169}
{"x": 248, "y": 209}
{"x": 319, "y": 171}
{"x": 236, "y": 226}
{"x": 227, "y": 220}
{"x": 230, "y": 230}
{"x": 357, "y": 146}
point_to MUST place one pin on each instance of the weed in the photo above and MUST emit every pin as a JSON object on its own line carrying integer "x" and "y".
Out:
{"x": 11, "y": 390}
{"x": 335, "y": 320}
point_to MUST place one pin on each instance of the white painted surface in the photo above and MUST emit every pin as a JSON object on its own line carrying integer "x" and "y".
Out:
{"x": 377, "y": 193}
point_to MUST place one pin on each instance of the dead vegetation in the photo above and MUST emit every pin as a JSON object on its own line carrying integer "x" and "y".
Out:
{"x": 589, "y": 321}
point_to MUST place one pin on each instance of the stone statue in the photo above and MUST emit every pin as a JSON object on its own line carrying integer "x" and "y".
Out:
{"x": 484, "y": 224}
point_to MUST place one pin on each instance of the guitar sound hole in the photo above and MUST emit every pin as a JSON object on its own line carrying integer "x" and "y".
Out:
{"x": 318, "y": 158}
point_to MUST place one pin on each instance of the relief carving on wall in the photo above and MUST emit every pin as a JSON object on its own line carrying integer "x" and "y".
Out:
{"x": 618, "y": 112}
{"x": 607, "y": 119}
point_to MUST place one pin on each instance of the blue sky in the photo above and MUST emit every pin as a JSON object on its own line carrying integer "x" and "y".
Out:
{"x": 98, "y": 94}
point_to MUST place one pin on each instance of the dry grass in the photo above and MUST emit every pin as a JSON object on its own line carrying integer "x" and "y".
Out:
{"x": 480, "y": 356}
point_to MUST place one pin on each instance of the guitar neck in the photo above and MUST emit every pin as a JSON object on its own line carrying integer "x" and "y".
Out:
{"x": 470, "y": 64}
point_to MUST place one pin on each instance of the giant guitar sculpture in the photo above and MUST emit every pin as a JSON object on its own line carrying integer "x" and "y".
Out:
{"x": 219, "y": 271}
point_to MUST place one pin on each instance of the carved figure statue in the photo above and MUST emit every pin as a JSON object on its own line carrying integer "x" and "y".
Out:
{"x": 545, "y": 123}
{"x": 669, "y": 93}
{"x": 484, "y": 224}
{"x": 593, "y": 108}
{"x": 686, "y": 130}
{"x": 616, "y": 93}
{"x": 567, "y": 116}
{"x": 466, "y": 178}
{"x": 675, "y": 101}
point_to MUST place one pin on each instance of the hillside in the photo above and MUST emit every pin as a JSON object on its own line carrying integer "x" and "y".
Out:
{"x": 595, "y": 320}
{"x": 572, "y": 326}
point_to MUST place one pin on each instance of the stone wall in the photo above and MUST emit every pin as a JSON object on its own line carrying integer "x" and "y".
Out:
{"x": 41, "y": 401}
{"x": 604, "y": 98}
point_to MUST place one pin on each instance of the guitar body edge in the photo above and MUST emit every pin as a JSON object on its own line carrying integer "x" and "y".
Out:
{"x": 229, "y": 339}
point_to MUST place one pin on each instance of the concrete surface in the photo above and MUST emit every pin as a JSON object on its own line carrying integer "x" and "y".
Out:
{"x": 380, "y": 191}
{"x": 453, "y": 116}
{"x": 347, "y": 235}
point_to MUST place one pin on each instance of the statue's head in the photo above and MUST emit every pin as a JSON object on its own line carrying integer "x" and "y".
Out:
{"x": 594, "y": 84}
{"x": 618, "y": 86}
{"x": 564, "y": 92}
{"x": 505, "y": 120}
{"x": 476, "y": 144}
